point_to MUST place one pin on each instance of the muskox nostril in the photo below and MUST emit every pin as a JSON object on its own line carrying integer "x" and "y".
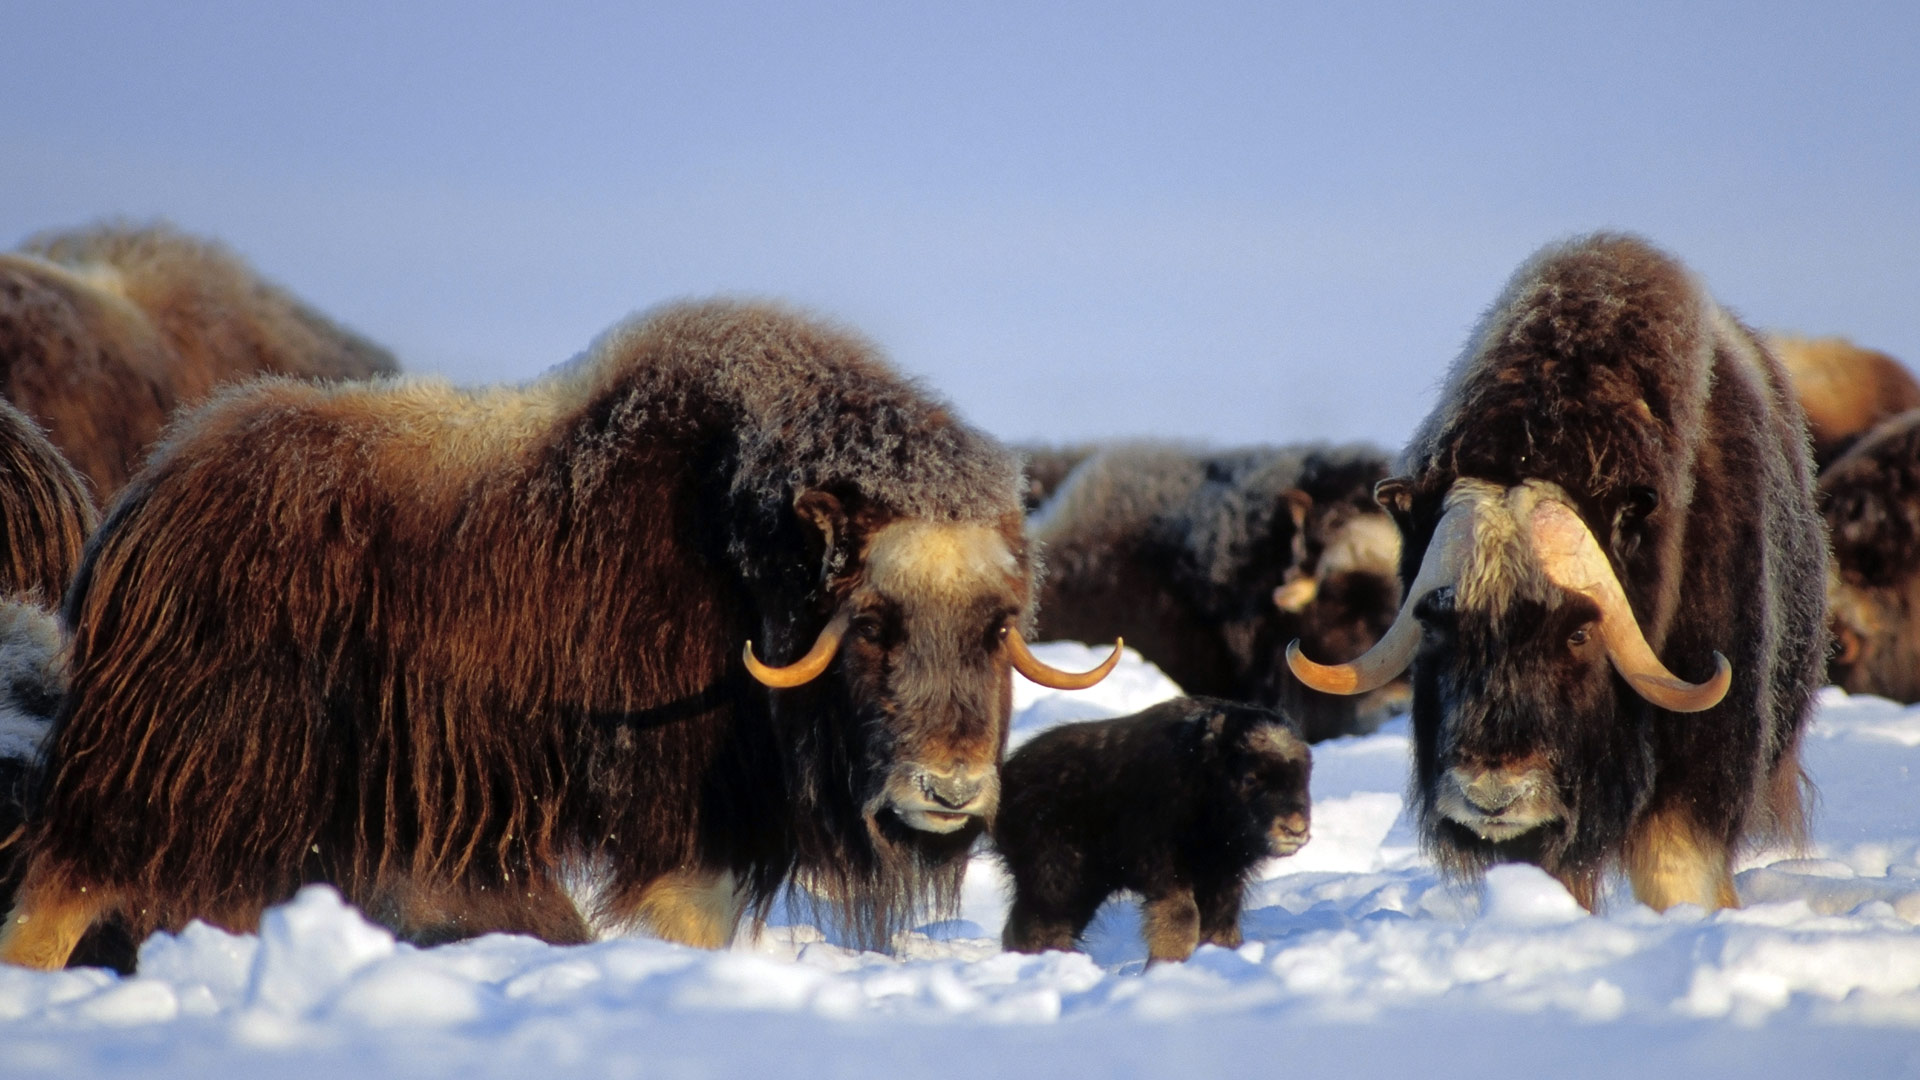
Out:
{"x": 1294, "y": 824}
{"x": 953, "y": 792}
{"x": 1491, "y": 796}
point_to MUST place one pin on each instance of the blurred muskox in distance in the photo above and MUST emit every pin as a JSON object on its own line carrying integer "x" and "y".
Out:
{"x": 1844, "y": 390}
{"x": 1871, "y": 498}
{"x": 1209, "y": 562}
{"x": 106, "y": 331}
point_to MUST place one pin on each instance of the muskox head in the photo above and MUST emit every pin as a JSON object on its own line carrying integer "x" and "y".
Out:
{"x": 1873, "y": 585}
{"x": 917, "y": 655}
{"x": 1525, "y": 654}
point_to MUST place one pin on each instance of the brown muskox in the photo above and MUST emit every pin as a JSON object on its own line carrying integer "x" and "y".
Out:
{"x": 1210, "y": 562}
{"x": 500, "y": 654}
{"x": 1614, "y": 487}
{"x": 1871, "y": 497}
{"x": 1178, "y": 803}
{"x": 45, "y": 513}
{"x": 105, "y": 331}
{"x": 45, "y": 517}
{"x": 1844, "y": 390}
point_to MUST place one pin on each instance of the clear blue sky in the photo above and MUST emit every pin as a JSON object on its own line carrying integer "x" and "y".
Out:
{"x": 1257, "y": 222}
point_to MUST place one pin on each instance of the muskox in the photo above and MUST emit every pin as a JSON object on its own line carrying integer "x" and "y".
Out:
{"x": 1844, "y": 390}
{"x": 105, "y": 331}
{"x": 1871, "y": 498}
{"x": 45, "y": 513}
{"x": 1178, "y": 803}
{"x": 1209, "y": 562}
{"x": 491, "y": 660}
{"x": 1614, "y": 487}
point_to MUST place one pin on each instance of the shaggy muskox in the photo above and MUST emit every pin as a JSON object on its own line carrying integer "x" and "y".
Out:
{"x": 476, "y": 658}
{"x": 1614, "y": 487}
{"x": 1210, "y": 562}
{"x": 1178, "y": 803}
{"x": 105, "y": 331}
{"x": 1871, "y": 498}
{"x": 1844, "y": 390}
{"x": 45, "y": 513}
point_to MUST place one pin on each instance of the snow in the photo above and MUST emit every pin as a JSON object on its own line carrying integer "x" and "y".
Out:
{"x": 1359, "y": 961}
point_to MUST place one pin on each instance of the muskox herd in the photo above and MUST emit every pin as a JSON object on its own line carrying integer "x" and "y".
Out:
{"x": 727, "y": 609}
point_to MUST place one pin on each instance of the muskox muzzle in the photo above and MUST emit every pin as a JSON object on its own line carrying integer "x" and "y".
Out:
{"x": 941, "y": 800}
{"x": 1566, "y": 552}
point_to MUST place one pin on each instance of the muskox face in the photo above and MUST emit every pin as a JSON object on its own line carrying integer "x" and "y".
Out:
{"x": 1271, "y": 768}
{"x": 927, "y": 664}
{"x": 1530, "y": 677}
{"x": 1338, "y": 600}
{"x": 1503, "y": 701}
{"x": 1876, "y": 647}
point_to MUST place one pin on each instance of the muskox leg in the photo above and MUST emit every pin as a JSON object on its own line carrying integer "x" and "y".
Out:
{"x": 1171, "y": 925}
{"x": 437, "y": 913}
{"x": 1220, "y": 914}
{"x": 1670, "y": 861}
{"x": 1033, "y": 927}
{"x": 49, "y": 918}
{"x": 701, "y": 908}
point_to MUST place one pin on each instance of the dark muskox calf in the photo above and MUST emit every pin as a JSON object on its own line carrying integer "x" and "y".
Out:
{"x": 510, "y": 676}
{"x": 105, "y": 331}
{"x": 1209, "y": 562}
{"x": 1871, "y": 498}
{"x": 1614, "y": 488}
{"x": 1178, "y": 803}
{"x": 1844, "y": 390}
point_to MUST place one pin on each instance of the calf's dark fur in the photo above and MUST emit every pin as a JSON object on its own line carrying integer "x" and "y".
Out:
{"x": 1177, "y": 803}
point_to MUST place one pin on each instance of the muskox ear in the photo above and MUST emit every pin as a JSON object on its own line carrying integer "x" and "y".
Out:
{"x": 1395, "y": 496}
{"x": 829, "y": 520}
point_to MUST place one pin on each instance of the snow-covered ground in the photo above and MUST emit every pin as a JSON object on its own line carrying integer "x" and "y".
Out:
{"x": 1359, "y": 961}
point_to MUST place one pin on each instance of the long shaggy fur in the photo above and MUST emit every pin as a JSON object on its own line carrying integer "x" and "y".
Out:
{"x": 45, "y": 513}
{"x": 1871, "y": 498}
{"x": 1180, "y": 550}
{"x": 1607, "y": 371}
{"x": 445, "y": 649}
{"x": 104, "y": 331}
{"x": 1844, "y": 390}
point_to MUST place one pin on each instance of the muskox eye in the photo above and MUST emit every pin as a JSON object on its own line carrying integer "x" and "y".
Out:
{"x": 1578, "y": 637}
{"x": 866, "y": 628}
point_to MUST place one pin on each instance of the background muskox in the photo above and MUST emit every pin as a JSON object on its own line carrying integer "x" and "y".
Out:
{"x": 1178, "y": 803}
{"x": 500, "y": 650}
{"x": 1210, "y": 562}
{"x": 1871, "y": 498}
{"x": 104, "y": 331}
{"x": 1844, "y": 390}
{"x": 1614, "y": 483}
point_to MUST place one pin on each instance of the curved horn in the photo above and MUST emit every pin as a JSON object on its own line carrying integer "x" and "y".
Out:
{"x": 1445, "y": 555}
{"x": 808, "y": 667}
{"x": 1572, "y": 559}
{"x": 1029, "y": 665}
